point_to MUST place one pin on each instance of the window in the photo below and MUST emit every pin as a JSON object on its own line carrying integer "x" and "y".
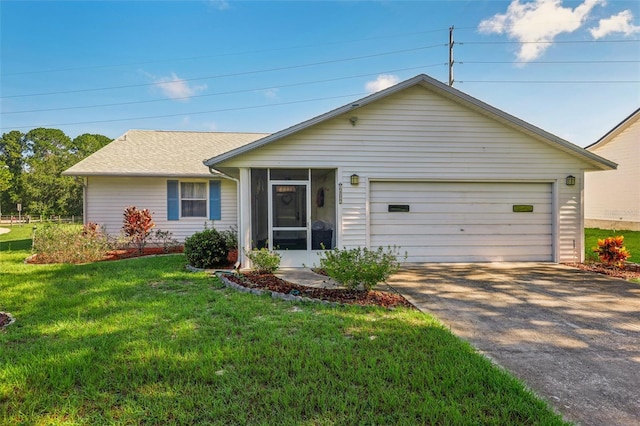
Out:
{"x": 190, "y": 199}
{"x": 193, "y": 199}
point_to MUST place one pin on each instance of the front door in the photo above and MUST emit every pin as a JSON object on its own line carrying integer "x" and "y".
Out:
{"x": 293, "y": 211}
{"x": 289, "y": 216}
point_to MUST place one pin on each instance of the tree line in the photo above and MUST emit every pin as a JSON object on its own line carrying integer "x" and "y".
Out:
{"x": 30, "y": 171}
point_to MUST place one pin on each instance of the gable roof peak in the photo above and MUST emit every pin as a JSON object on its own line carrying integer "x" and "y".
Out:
{"x": 441, "y": 89}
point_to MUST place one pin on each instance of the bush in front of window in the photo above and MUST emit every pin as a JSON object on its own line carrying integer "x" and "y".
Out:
{"x": 207, "y": 249}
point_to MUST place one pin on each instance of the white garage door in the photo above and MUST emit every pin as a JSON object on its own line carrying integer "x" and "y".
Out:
{"x": 463, "y": 222}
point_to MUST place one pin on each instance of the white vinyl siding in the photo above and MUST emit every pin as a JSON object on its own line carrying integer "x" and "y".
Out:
{"x": 612, "y": 198}
{"x": 463, "y": 221}
{"x": 107, "y": 197}
{"x": 416, "y": 134}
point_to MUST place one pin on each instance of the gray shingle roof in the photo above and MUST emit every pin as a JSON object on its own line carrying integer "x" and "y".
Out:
{"x": 160, "y": 153}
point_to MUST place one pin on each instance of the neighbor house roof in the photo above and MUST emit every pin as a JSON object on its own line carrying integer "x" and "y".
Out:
{"x": 624, "y": 124}
{"x": 160, "y": 153}
{"x": 597, "y": 162}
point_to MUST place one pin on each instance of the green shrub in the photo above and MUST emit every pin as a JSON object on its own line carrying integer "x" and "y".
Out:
{"x": 206, "y": 249}
{"x": 263, "y": 260}
{"x": 53, "y": 243}
{"x": 231, "y": 237}
{"x": 360, "y": 266}
{"x": 612, "y": 251}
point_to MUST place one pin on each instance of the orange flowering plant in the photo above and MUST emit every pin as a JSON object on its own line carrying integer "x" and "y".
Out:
{"x": 612, "y": 251}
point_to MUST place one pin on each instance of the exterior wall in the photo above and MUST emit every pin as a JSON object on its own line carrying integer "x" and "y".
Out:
{"x": 612, "y": 199}
{"x": 418, "y": 135}
{"x": 107, "y": 197}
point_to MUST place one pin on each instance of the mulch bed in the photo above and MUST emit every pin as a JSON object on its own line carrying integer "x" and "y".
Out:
{"x": 119, "y": 254}
{"x": 344, "y": 296}
{"x": 5, "y": 320}
{"x": 133, "y": 252}
{"x": 629, "y": 272}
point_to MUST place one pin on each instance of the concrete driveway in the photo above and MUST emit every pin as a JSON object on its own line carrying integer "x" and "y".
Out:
{"x": 571, "y": 336}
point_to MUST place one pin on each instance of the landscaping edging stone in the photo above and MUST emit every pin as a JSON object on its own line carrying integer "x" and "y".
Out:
{"x": 274, "y": 294}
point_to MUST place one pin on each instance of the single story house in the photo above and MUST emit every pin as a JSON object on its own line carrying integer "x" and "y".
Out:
{"x": 420, "y": 165}
{"x": 612, "y": 198}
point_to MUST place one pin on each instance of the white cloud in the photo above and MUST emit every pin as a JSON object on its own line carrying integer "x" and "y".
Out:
{"x": 537, "y": 21}
{"x": 620, "y": 23}
{"x": 176, "y": 88}
{"x": 270, "y": 93}
{"x": 209, "y": 126}
{"x": 382, "y": 82}
{"x": 219, "y": 4}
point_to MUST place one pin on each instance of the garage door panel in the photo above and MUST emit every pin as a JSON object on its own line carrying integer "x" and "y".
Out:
{"x": 465, "y": 211}
{"x": 457, "y": 219}
{"x": 409, "y": 230}
{"x": 466, "y": 222}
{"x": 438, "y": 198}
{"x": 405, "y": 241}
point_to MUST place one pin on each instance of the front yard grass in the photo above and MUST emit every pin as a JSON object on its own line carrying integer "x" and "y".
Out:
{"x": 142, "y": 341}
{"x": 631, "y": 241}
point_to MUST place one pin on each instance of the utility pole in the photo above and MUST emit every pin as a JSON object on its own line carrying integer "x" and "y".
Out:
{"x": 451, "y": 56}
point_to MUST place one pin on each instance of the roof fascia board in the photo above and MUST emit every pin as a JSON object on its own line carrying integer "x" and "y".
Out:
{"x": 150, "y": 175}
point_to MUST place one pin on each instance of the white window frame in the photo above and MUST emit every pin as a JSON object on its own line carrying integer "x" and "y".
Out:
{"x": 205, "y": 199}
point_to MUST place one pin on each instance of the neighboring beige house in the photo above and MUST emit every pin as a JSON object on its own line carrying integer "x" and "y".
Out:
{"x": 419, "y": 165}
{"x": 612, "y": 198}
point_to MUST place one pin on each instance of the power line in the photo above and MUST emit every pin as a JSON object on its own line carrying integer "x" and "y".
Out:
{"x": 249, "y": 52}
{"x": 193, "y": 112}
{"x": 553, "y": 81}
{"x": 219, "y": 93}
{"x": 546, "y": 62}
{"x": 332, "y": 61}
{"x": 548, "y": 42}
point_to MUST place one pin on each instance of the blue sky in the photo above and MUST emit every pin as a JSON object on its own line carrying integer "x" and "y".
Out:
{"x": 569, "y": 67}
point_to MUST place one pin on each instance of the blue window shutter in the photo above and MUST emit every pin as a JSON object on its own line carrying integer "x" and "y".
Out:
{"x": 215, "y": 200}
{"x": 173, "y": 200}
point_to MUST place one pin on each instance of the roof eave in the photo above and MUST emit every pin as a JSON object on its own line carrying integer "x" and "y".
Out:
{"x": 143, "y": 174}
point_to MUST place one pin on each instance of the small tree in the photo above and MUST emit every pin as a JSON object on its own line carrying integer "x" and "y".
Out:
{"x": 137, "y": 226}
{"x": 612, "y": 251}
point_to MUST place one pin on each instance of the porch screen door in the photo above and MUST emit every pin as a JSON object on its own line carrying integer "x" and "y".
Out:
{"x": 289, "y": 216}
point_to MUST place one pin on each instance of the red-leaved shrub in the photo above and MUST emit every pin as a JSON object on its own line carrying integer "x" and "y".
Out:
{"x": 612, "y": 251}
{"x": 137, "y": 226}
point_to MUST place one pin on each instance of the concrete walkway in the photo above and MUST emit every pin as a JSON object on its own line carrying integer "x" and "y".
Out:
{"x": 4, "y": 230}
{"x": 572, "y": 336}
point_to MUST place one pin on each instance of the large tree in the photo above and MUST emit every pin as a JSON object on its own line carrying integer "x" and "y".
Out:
{"x": 35, "y": 161}
{"x": 12, "y": 149}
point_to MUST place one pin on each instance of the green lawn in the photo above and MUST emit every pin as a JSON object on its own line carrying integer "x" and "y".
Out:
{"x": 631, "y": 241}
{"x": 142, "y": 341}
